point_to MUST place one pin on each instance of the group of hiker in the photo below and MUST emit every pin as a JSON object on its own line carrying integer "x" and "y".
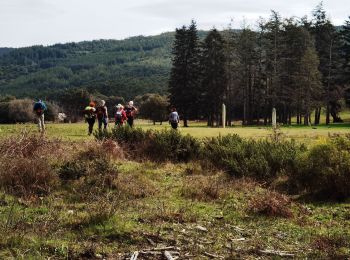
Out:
{"x": 99, "y": 111}
{"x": 122, "y": 115}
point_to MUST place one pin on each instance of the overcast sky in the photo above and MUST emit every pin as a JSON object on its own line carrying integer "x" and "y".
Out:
{"x": 31, "y": 22}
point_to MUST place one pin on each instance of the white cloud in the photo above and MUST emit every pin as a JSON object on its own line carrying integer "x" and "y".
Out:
{"x": 28, "y": 22}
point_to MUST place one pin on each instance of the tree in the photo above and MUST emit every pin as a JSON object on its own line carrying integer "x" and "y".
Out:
{"x": 185, "y": 72}
{"x": 214, "y": 78}
{"x": 345, "y": 54}
{"x": 73, "y": 102}
{"x": 153, "y": 107}
{"x": 310, "y": 82}
{"x": 327, "y": 43}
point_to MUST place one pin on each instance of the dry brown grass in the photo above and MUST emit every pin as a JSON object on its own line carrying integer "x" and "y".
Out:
{"x": 25, "y": 168}
{"x": 134, "y": 185}
{"x": 330, "y": 245}
{"x": 271, "y": 204}
{"x": 204, "y": 188}
{"x": 207, "y": 187}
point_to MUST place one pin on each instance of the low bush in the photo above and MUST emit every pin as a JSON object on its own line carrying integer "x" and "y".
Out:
{"x": 133, "y": 137}
{"x": 155, "y": 145}
{"x": 261, "y": 160}
{"x": 24, "y": 165}
{"x": 324, "y": 170}
{"x": 171, "y": 145}
{"x": 27, "y": 177}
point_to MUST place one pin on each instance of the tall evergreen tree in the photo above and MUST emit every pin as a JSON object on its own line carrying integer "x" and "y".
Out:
{"x": 309, "y": 82}
{"x": 345, "y": 54}
{"x": 248, "y": 56}
{"x": 214, "y": 78}
{"x": 327, "y": 43}
{"x": 185, "y": 72}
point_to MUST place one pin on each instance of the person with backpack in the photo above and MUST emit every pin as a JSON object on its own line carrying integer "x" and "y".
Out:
{"x": 90, "y": 116}
{"x": 120, "y": 116}
{"x": 130, "y": 111}
{"x": 39, "y": 109}
{"x": 102, "y": 115}
{"x": 174, "y": 118}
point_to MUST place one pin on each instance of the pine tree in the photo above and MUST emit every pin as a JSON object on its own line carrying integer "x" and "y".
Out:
{"x": 345, "y": 54}
{"x": 327, "y": 43}
{"x": 309, "y": 82}
{"x": 248, "y": 56}
{"x": 214, "y": 78}
{"x": 185, "y": 73}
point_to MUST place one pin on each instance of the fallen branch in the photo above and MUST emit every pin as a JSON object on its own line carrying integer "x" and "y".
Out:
{"x": 168, "y": 255}
{"x": 278, "y": 253}
{"x": 212, "y": 255}
{"x": 134, "y": 255}
{"x": 202, "y": 228}
{"x": 237, "y": 239}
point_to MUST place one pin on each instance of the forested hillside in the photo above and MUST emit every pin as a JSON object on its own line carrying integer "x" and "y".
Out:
{"x": 125, "y": 68}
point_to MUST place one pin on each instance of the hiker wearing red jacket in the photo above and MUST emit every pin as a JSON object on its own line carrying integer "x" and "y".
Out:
{"x": 120, "y": 116}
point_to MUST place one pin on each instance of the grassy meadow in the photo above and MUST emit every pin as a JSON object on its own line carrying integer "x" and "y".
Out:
{"x": 68, "y": 196}
{"x": 78, "y": 131}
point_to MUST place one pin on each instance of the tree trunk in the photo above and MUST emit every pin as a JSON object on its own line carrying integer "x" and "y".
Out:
{"x": 327, "y": 114}
{"x": 185, "y": 122}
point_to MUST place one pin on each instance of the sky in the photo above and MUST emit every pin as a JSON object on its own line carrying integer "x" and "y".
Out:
{"x": 46, "y": 22}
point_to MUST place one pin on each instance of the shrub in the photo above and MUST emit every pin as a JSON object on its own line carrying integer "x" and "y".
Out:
{"x": 21, "y": 110}
{"x": 155, "y": 145}
{"x": 262, "y": 160}
{"x": 171, "y": 145}
{"x": 27, "y": 177}
{"x": 324, "y": 170}
{"x": 132, "y": 137}
{"x": 24, "y": 165}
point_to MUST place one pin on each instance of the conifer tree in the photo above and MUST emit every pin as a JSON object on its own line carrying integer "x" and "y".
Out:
{"x": 345, "y": 54}
{"x": 327, "y": 43}
{"x": 214, "y": 78}
{"x": 185, "y": 73}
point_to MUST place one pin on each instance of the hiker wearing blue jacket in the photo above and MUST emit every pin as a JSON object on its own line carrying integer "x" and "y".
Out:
{"x": 39, "y": 109}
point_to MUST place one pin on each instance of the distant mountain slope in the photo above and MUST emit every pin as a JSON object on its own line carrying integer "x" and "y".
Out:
{"x": 126, "y": 68}
{"x": 5, "y": 50}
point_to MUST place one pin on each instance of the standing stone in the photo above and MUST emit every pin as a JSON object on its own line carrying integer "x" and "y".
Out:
{"x": 274, "y": 118}
{"x": 223, "y": 116}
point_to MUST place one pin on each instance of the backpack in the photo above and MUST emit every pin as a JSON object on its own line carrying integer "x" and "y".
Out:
{"x": 118, "y": 116}
{"x": 128, "y": 111}
{"x": 100, "y": 112}
{"x": 89, "y": 112}
{"x": 39, "y": 108}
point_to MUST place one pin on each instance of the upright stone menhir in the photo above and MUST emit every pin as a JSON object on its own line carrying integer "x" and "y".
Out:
{"x": 274, "y": 118}
{"x": 223, "y": 115}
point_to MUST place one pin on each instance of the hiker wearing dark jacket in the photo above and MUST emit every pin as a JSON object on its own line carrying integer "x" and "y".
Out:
{"x": 90, "y": 116}
{"x": 130, "y": 111}
{"x": 39, "y": 109}
{"x": 174, "y": 118}
{"x": 102, "y": 115}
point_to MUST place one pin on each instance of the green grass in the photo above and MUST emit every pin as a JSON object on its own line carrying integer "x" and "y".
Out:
{"x": 57, "y": 227}
{"x": 78, "y": 131}
{"x": 133, "y": 206}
